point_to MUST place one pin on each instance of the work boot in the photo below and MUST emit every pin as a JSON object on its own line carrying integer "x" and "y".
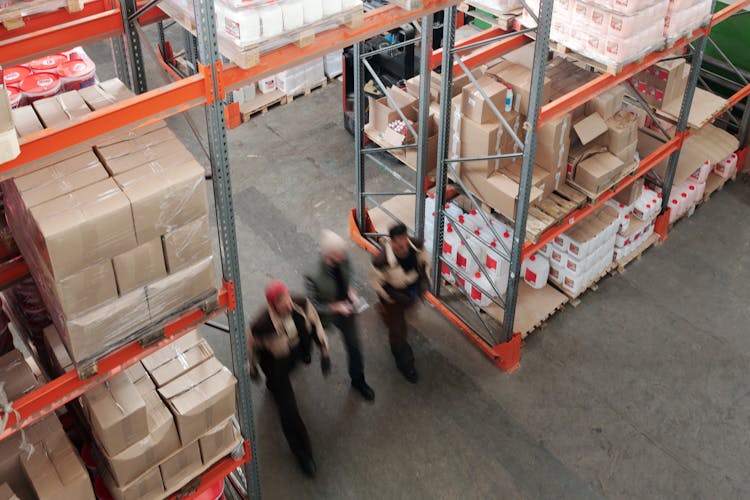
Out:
{"x": 307, "y": 464}
{"x": 364, "y": 389}
{"x": 410, "y": 374}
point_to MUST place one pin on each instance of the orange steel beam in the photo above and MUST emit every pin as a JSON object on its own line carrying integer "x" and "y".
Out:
{"x": 575, "y": 217}
{"x": 375, "y": 22}
{"x": 492, "y": 51}
{"x": 216, "y": 473}
{"x": 147, "y": 107}
{"x": 12, "y": 270}
{"x": 54, "y": 394}
{"x": 57, "y": 37}
{"x": 729, "y": 11}
{"x": 437, "y": 55}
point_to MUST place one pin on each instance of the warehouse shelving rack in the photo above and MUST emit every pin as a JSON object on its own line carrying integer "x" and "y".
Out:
{"x": 107, "y": 19}
{"x": 504, "y": 349}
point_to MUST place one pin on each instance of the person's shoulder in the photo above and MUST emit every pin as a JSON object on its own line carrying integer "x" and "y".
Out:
{"x": 380, "y": 261}
{"x": 299, "y": 299}
{"x": 261, "y": 322}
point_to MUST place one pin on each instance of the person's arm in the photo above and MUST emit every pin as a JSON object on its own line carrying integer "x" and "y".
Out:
{"x": 319, "y": 336}
{"x": 377, "y": 278}
{"x": 313, "y": 295}
{"x": 423, "y": 260}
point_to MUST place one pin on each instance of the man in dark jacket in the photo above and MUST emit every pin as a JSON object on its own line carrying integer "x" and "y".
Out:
{"x": 281, "y": 335}
{"x": 400, "y": 273}
{"x": 329, "y": 289}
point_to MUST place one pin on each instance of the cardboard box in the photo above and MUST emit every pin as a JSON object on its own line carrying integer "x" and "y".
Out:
{"x": 117, "y": 414}
{"x": 177, "y": 358}
{"x": 136, "y": 373}
{"x": 519, "y": 78}
{"x": 161, "y": 442}
{"x": 187, "y": 245}
{"x": 61, "y": 178}
{"x": 180, "y": 468}
{"x": 16, "y": 376}
{"x": 598, "y": 172}
{"x": 553, "y": 145}
{"x": 60, "y": 109}
{"x": 590, "y": 128}
{"x": 86, "y": 289}
{"x": 622, "y": 131}
{"x": 381, "y": 114}
{"x": 6, "y": 493}
{"x": 488, "y": 139}
{"x": 200, "y": 399}
{"x": 498, "y": 191}
{"x": 84, "y": 226}
{"x": 631, "y": 193}
{"x": 55, "y": 470}
{"x": 164, "y": 196}
{"x": 105, "y": 93}
{"x": 147, "y": 487}
{"x": 475, "y": 107}
{"x": 26, "y": 121}
{"x": 88, "y": 335}
{"x": 139, "y": 266}
{"x": 626, "y": 154}
{"x": 218, "y": 442}
{"x": 121, "y": 157}
{"x": 540, "y": 178}
{"x": 59, "y": 356}
{"x": 182, "y": 288}
{"x": 608, "y": 103}
{"x": 459, "y": 82}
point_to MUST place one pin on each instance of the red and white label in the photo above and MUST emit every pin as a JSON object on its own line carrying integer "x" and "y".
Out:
{"x": 476, "y": 294}
{"x": 530, "y": 276}
{"x": 461, "y": 261}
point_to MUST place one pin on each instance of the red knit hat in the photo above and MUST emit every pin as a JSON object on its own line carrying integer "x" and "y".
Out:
{"x": 274, "y": 290}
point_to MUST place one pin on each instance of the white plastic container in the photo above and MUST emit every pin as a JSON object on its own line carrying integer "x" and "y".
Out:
{"x": 332, "y": 7}
{"x": 475, "y": 289}
{"x": 535, "y": 271}
{"x": 700, "y": 189}
{"x": 558, "y": 258}
{"x": 464, "y": 262}
{"x": 726, "y": 167}
{"x": 701, "y": 175}
{"x": 474, "y": 220}
{"x": 313, "y": 10}
{"x": 451, "y": 242}
{"x": 478, "y": 248}
{"x": 446, "y": 273}
{"x": 453, "y": 210}
{"x": 294, "y": 16}
{"x": 497, "y": 267}
{"x": 267, "y": 85}
{"x": 271, "y": 21}
{"x": 545, "y": 250}
{"x": 429, "y": 203}
{"x": 242, "y": 26}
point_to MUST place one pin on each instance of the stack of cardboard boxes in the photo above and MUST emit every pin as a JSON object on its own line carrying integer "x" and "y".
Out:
{"x": 580, "y": 255}
{"x": 605, "y": 144}
{"x": 161, "y": 423}
{"x": 117, "y": 238}
{"x": 39, "y": 462}
{"x": 662, "y": 83}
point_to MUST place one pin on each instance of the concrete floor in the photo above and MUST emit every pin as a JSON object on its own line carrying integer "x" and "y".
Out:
{"x": 640, "y": 392}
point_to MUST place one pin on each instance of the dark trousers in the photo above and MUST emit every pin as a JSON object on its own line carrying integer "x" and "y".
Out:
{"x": 348, "y": 327}
{"x": 394, "y": 315}
{"x": 277, "y": 379}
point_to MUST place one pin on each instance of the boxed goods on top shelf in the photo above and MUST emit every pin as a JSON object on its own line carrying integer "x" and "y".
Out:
{"x": 248, "y": 29}
{"x": 615, "y": 33}
{"x": 116, "y": 238}
{"x": 496, "y": 6}
{"x": 12, "y": 12}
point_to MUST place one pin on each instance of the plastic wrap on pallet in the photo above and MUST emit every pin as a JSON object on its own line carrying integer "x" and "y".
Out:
{"x": 302, "y": 78}
{"x": 16, "y": 10}
{"x": 187, "y": 244}
{"x": 682, "y": 18}
{"x": 334, "y": 65}
{"x": 498, "y": 5}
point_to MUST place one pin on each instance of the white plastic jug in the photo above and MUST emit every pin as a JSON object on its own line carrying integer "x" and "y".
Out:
{"x": 463, "y": 259}
{"x": 294, "y": 16}
{"x": 241, "y": 25}
{"x": 474, "y": 220}
{"x": 271, "y": 20}
{"x": 331, "y": 7}
{"x": 476, "y": 289}
{"x": 313, "y": 10}
{"x": 674, "y": 208}
{"x": 700, "y": 189}
{"x": 267, "y": 85}
{"x": 451, "y": 242}
{"x": 535, "y": 271}
{"x": 497, "y": 267}
{"x": 726, "y": 167}
{"x": 429, "y": 203}
{"x": 701, "y": 175}
{"x": 453, "y": 210}
{"x": 478, "y": 248}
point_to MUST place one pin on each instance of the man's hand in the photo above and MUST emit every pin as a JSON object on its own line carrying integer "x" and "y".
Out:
{"x": 342, "y": 308}
{"x": 353, "y": 295}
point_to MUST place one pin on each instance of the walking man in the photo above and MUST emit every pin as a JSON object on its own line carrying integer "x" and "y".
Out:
{"x": 400, "y": 274}
{"x": 330, "y": 291}
{"x": 281, "y": 335}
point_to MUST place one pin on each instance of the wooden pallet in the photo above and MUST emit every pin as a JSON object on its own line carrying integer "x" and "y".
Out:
{"x": 502, "y": 20}
{"x": 715, "y": 183}
{"x": 610, "y": 68}
{"x": 619, "y": 265}
{"x": 261, "y": 104}
{"x": 574, "y": 298}
{"x": 12, "y": 17}
{"x": 551, "y": 211}
{"x": 407, "y": 4}
{"x": 320, "y": 85}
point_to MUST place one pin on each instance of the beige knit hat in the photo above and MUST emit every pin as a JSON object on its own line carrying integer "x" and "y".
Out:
{"x": 331, "y": 242}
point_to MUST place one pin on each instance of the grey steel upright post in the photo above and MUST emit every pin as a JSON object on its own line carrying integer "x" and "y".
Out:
{"x": 539, "y": 66}
{"x": 359, "y": 124}
{"x": 424, "y": 121}
{"x": 133, "y": 49}
{"x": 444, "y": 135}
{"x": 682, "y": 121}
{"x": 119, "y": 56}
{"x": 217, "y": 141}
